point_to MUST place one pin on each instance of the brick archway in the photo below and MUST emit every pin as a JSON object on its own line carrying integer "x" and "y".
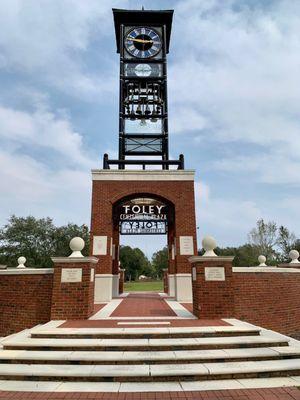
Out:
{"x": 171, "y": 234}
{"x": 113, "y": 186}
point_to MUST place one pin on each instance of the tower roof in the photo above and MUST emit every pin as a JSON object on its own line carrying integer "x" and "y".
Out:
{"x": 144, "y": 17}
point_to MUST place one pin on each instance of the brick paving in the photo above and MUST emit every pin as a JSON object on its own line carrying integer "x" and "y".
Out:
{"x": 146, "y": 305}
{"x": 113, "y": 323}
{"x": 98, "y": 307}
{"x": 143, "y": 305}
{"x": 291, "y": 393}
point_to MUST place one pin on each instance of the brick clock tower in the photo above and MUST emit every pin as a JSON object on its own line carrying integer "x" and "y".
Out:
{"x": 143, "y": 192}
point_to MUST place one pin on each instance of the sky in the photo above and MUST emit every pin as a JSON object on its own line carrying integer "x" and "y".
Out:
{"x": 234, "y": 95}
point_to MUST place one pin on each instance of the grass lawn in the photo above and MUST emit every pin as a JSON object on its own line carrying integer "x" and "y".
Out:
{"x": 151, "y": 286}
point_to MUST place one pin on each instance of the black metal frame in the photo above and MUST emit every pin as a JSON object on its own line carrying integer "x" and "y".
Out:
{"x": 139, "y": 88}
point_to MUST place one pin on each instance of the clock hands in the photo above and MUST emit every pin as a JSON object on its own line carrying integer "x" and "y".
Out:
{"x": 140, "y": 40}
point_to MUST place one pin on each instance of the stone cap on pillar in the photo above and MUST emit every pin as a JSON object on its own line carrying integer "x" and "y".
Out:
{"x": 197, "y": 259}
{"x": 76, "y": 245}
{"x": 209, "y": 244}
{"x": 294, "y": 263}
{"x": 74, "y": 260}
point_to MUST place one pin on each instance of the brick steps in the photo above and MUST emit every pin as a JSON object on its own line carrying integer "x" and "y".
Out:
{"x": 150, "y": 373}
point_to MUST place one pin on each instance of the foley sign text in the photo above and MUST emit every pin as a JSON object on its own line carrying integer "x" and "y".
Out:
{"x": 143, "y": 212}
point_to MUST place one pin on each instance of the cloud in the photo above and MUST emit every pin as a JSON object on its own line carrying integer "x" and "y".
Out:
{"x": 50, "y": 41}
{"x": 44, "y": 166}
{"x": 29, "y": 187}
{"x": 226, "y": 219}
{"x": 42, "y": 129}
{"x": 238, "y": 71}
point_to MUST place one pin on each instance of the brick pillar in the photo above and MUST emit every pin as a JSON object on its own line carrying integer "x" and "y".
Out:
{"x": 115, "y": 258}
{"x": 212, "y": 285}
{"x": 121, "y": 280}
{"x": 73, "y": 287}
{"x": 165, "y": 280}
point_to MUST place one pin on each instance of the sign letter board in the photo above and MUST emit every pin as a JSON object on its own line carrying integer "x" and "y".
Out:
{"x": 214, "y": 273}
{"x": 71, "y": 275}
{"x": 186, "y": 245}
{"x": 100, "y": 246}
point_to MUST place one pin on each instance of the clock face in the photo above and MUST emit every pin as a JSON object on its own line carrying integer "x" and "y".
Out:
{"x": 143, "y": 70}
{"x": 143, "y": 42}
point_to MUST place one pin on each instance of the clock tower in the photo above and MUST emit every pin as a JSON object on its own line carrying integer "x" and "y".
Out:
{"x": 143, "y": 192}
{"x": 143, "y": 39}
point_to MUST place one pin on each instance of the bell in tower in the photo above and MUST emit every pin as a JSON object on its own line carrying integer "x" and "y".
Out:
{"x": 143, "y": 39}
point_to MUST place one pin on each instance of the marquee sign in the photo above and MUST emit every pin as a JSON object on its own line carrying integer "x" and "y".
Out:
{"x": 143, "y": 216}
{"x": 143, "y": 228}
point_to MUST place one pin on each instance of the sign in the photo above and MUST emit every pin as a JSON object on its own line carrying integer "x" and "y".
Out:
{"x": 71, "y": 275}
{"x": 92, "y": 274}
{"x": 186, "y": 245}
{"x": 143, "y": 216}
{"x": 214, "y": 273}
{"x": 143, "y": 212}
{"x": 142, "y": 227}
{"x": 99, "y": 245}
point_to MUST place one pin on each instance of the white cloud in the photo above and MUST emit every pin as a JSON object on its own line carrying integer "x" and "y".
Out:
{"x": 226, "y": 219}
{"x": 49, "y": 40}
{"x": 44, "y": 169}
{"x": 42, "y": 129}
{"x": 186, "y": 119}
{"x": 30, "y": 188}
{"x": 238, "y": 70}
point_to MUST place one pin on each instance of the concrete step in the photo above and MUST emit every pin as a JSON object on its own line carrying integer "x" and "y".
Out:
{"x": 171, "y": 344}
{"x": 147, "y": 357}
{"x": 145, "y": 333}
{"x": 132, "y": 387}
{"x": 144, "y": 373}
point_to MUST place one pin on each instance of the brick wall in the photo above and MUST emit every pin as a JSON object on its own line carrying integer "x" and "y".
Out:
{"x": 179, "y": 193}
{"x": 269, "y": 299}
{"x": 25, "y": 300}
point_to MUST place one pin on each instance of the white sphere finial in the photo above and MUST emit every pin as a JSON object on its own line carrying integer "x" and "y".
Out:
{"x": 209, "y": 244}
{"x": 21, "y": 262}
{"x": 262, "y": 261}
{"x": 294, "y": 255}
{"x": 76, "y": 245}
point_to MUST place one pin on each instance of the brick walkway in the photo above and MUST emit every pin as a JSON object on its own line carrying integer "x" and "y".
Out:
{"x": 143, "y": 305}
{"x": 247, "y": 394}
{"x": 114, "y": 323}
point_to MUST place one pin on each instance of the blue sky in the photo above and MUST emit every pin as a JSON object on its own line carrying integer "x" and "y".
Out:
{"x": 233, "y": 104}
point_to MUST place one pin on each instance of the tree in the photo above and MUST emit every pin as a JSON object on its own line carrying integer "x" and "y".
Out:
{"x": 135, "y": 263}
{"x": 286, "y": 241}
{"x": 264, "y": 237}
{"x": 160, "y": 262}
{"x": 38, "y": 240}
{"x": 244, "y": 256}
